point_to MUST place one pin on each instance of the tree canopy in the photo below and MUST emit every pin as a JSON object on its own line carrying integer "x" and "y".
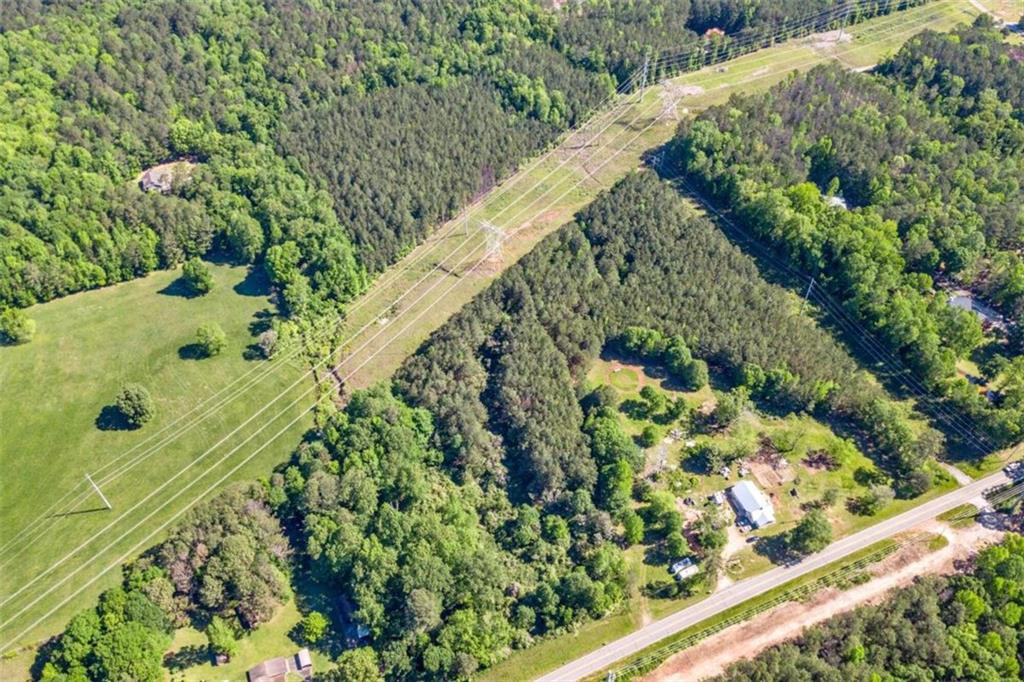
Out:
{"x": 885, "y": 188}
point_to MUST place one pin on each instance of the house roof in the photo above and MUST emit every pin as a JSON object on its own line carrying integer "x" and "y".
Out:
{"x": 277, "y": 669}
{"x": 753, "y": 503}
{"x": 684, "y": 568}
{"x": 274, "y": 670}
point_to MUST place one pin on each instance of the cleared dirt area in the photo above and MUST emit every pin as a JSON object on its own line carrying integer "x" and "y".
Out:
{"x": 713, "y": 655}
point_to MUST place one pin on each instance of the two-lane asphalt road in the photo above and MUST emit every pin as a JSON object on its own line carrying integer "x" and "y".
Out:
{"x": 740, "y": 592}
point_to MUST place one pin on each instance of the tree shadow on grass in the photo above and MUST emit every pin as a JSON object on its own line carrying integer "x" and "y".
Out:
{"x": 191, "y": 351}
{"x": 633, "y": 408}
{"x": 43, "y": 654}
{"x": 179, "y": 288}
{"x": 256, "y": 283}
{"x": 776, "y": 550}
{"x": 111, "y": 419}
{"x": 187, "y": 656}
{"x": 262, "y": 320}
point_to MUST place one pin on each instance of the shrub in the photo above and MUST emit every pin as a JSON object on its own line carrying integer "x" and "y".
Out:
{"x": 268, "y": 343}
{"x": 727, "y": 411}
{"x": 632, "y": 527}
{"x": 873, "y": 501}
{"x": 314, "y": 627}
{"x": 221, "y": 637}
{"x": 197, "y": 276}
{"x": 16, "y": 327}
{"x": 135, "y": 404}
{"x": 211, "y": 339}
{"x": 649, "y": 436}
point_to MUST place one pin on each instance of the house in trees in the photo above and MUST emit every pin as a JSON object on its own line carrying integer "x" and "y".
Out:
{"x": 163, "y": 177}
{"x": 752, "y": 507}
{"x": 278, "y": 669}
{"x": 158, "y": 178}
{"x": 965, "y": 300}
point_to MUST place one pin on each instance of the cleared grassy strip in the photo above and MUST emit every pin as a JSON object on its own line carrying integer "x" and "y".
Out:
{"x": 539, "y": 201}
{"x": 959, "y": 517}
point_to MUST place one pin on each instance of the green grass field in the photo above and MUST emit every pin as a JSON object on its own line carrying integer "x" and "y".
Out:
{"x": 57, "y": 386}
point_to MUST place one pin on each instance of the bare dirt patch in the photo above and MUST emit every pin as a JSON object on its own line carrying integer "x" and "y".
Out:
{"x": 544, "y": 219}
{"x": 770, "y": 476}
{"x": 713, "y": 655}
{"x": 828, "y": 40}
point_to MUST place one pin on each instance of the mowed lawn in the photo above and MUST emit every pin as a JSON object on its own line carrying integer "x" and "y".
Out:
{"x": 55, "y": 388}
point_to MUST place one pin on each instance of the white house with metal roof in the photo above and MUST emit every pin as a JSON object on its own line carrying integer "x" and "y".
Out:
{"x": 752, "y": 506}
{"x": 684, "y": 568}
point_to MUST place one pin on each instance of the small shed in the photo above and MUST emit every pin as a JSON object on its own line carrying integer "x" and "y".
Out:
{"x": 837, "y": 202}
{"x": 751, "y": 504}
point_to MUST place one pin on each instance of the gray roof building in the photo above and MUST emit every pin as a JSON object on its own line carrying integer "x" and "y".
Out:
{"x": 277, "y": 669}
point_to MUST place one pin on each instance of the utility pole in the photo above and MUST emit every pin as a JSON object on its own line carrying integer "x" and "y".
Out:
{"x": 842, "y": 26}
{"x": 807, "y": 295}
{"x": 98, "y": 491}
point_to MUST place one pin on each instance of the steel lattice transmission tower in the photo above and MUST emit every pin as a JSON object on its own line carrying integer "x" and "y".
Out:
{"x": 494, "y": 259}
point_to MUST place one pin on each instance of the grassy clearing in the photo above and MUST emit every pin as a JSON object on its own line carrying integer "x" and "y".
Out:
{"x": 188, "y": 660}
{"x": 57, "y": 386}
{"x": 959, "y": 517}
{"x": 937, "y": 542}
{"x": 796, "y": 436}
{"x": 1007, "y": 10}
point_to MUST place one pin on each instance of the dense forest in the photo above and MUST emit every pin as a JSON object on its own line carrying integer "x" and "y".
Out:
{"x": 100, "y": 91}
{"x": 486, "y": 500}
{"x": 634, "y": 257}
{"x": 962, "y": 627}
{"x": 344, "y": 128}
{"x": 886, "y": 188}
